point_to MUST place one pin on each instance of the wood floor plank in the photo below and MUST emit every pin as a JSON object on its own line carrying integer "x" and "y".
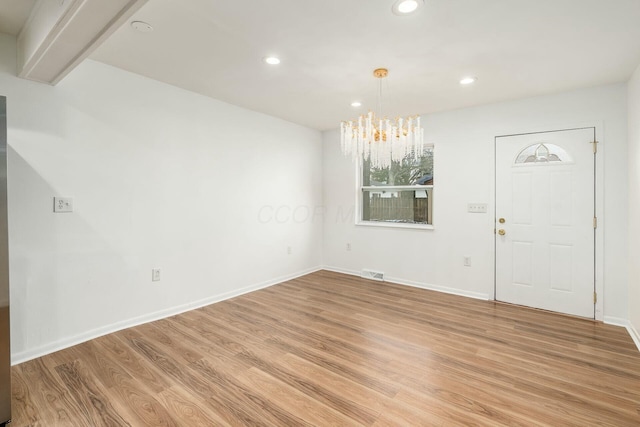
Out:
{"x": 311, "y": 411}
{"x": 50, "y": 397}
{"x": 329, "y": 380}
{"x": 23, "y": 405}
{"x": 339, "y": 400}
{"x": 126, "y": 393}
{"x": 262, "y": 410}
{"x": 531, "y": 360}
{"x": 94, "y": 404}
{"x": 332, "y": 349}
{"x": 289, "y": 338}
{"x": 189, "y": 409}
{"x": 119, "y": 350}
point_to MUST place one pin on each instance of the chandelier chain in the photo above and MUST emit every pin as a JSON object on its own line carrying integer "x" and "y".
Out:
{"x": 379, "y": 98}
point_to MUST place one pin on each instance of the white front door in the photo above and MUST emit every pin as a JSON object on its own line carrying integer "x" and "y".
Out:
{"x": 545, "y": 220}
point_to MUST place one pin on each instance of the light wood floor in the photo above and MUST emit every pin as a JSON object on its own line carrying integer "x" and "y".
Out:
{"x": 330, "y": 349}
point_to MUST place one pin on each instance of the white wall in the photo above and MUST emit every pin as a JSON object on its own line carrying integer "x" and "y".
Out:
{"x": 161, "y": 178}
{"x": 464, "y": 165}
{"x": 634, "y": 203}
{"x": 164, "y": 178}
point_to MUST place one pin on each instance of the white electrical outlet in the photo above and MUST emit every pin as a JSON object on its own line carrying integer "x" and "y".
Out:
{"x": 348, "y": 246}
{"x": 477, "y": 208}
{"x": 289, "y": 250}
{"x": 155, "y": 275}
{"x": 467, "y": 261}
{"x": 62, "y": 204}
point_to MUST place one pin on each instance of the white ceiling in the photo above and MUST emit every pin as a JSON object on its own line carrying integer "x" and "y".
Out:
{"x": 13, "y": 14}
{"x": 329, "y": 48}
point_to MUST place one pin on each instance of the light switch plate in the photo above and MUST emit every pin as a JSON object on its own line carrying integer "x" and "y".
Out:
{"x": 477, "y": 208}
{"x": 62, "y": 204}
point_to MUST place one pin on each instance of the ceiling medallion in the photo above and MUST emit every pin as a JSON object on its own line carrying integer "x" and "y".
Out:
{"x": 381, "y": 141}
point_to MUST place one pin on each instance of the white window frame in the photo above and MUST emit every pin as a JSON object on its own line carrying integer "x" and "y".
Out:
{"x": 360, "y": 189}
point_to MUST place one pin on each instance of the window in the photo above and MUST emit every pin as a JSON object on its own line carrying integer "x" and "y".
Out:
{"x": 399, "y": 194}
{"x": 542, "y": 153}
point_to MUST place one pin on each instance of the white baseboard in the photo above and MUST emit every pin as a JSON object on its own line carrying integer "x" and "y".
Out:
{"x": 33, "y": 353}
{"x": 635, "y": 336}
{"x": 444, "y": 289}
{"x": 615, "y": 321}
{"x": 341, "y": 270}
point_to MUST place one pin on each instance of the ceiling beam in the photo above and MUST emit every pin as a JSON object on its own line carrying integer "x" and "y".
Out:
{"x": 60, "y": 34}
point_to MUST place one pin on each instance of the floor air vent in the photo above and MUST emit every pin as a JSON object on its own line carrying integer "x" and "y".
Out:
{"x": 374, "y": 275}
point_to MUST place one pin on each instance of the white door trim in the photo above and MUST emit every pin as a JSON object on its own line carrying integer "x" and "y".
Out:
{"x": 599, "y": 200}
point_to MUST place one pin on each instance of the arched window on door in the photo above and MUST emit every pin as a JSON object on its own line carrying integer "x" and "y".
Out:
{"x": 543, "y": 153}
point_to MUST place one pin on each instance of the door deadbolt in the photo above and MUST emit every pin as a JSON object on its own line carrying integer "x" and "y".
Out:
{"x": 501, "y": 220}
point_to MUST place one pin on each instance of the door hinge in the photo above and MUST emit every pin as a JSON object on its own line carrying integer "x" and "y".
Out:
{"x": 595, "y": 222}
{"x": 595, "y": 146}
{"x": 595, "y": 297}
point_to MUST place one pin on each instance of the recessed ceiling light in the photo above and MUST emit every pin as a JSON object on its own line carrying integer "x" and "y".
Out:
{"x": 356, "y": 104}
{"x": 406, "y": 7}
{"x": 272, "y": 60}
{"x": 141, "y": 26}
{"x": 467, "y": 80}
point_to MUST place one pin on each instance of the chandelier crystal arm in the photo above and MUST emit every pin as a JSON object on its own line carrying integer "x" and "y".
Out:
{"x": 381, "y": 141}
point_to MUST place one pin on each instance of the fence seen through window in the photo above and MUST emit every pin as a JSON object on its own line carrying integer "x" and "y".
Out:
{"x": 401, "y": 193}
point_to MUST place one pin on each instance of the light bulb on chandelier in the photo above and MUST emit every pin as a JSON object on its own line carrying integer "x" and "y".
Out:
{"x": 381, "y": 141}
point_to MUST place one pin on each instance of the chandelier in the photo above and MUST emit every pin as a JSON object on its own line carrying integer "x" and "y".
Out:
{"x": 381, "y": 141}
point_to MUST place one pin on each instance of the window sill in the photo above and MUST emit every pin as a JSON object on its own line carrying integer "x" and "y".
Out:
{"x": 394, "y": 225}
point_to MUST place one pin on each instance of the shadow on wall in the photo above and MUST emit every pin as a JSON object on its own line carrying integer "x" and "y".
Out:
{"x": 58, "y": 265}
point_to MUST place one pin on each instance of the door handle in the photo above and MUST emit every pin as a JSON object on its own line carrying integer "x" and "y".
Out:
{"x": 502, "y": 232}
